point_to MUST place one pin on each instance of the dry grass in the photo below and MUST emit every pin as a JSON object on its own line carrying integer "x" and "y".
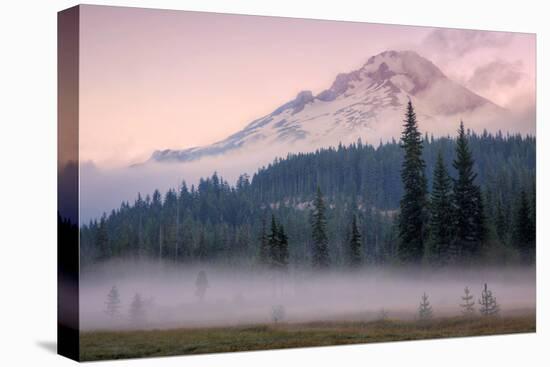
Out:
{"x": 148, "y": 343}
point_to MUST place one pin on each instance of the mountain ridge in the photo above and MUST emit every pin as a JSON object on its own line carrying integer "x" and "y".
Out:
{"x": 358, "y": 104}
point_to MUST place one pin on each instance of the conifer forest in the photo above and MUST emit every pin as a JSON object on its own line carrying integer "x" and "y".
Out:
{"x": 455, "y": 200}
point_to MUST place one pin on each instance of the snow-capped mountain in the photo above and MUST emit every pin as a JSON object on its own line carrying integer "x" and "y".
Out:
{"x": 368, "y": 103}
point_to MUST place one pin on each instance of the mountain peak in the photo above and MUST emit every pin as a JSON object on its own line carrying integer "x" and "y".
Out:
{"x": 419, "y": 70}
{"x": 392, "y": 54}
{"x": 366, "y": 103}
{"x": 413, "y": 72}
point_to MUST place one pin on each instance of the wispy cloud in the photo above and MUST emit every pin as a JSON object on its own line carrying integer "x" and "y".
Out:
{"x": 459, "y": 42}
{"x": 496, "y": 73}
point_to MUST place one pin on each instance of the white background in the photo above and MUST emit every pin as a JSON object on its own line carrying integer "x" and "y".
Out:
{"x": 28, "y": 182}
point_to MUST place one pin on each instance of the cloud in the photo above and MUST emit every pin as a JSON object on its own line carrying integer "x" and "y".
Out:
{"x": 496, "y": 73}
{"x": 459, "y": 42}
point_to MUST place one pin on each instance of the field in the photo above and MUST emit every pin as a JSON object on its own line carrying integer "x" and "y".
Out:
{"x": 97, "y": 345}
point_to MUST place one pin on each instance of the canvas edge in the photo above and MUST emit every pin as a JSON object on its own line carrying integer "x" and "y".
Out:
{"x": 68, "y": 184}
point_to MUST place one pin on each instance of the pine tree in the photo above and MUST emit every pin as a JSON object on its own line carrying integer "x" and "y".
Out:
{"x": 440, "y": 215}
{"x": 412, "y": 217}
{"x": 488, "y": 303}
{"x": 354, "y": 244}
{"x": 282, "y": 258}
{"x": 425, "y": 311}
{"x": 112, "y": 304}
{"x": 321, "y": 258}
{"x": 468, "y": 309}
{"x": 273, "y": 243}
{"x": 467, "y": 201}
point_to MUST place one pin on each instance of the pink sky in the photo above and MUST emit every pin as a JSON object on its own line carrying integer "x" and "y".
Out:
{"x": 157, "y": 79}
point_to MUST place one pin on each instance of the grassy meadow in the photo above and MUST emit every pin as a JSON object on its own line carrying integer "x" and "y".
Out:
{"x": 97, "y": 345}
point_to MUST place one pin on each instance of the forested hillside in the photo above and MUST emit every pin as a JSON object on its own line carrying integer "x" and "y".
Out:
{"x": 359, "y": 186}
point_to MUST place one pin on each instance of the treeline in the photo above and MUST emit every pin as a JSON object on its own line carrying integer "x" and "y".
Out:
{"x": 337, "y": 207}
{"x": 504, "y": 164}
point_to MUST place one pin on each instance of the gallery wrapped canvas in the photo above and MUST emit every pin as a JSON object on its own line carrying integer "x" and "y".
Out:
{"x": 208, "y": 203}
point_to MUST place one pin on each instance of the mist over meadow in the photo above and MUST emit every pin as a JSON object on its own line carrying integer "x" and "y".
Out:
{"x": 171, "y": 298}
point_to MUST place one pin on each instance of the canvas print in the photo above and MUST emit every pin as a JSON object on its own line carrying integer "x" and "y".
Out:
{"x": 238, "y": 183}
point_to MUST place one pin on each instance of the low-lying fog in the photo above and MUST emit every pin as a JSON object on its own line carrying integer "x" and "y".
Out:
{"x": 171, "y": 295}
{"x": 103, "y": 189}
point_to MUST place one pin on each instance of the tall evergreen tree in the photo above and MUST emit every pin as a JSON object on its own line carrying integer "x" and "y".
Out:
{"x": 354, "y": 244}
{"x": 412, "y": 216}
{"x": 273, "y": 243}
{"x": 282, "y": 256}
{"x": 440, "y": 215}
{"x": 467, "y": 201}
{"x": 276, "y": 246}
{"x": 321, "y": 258}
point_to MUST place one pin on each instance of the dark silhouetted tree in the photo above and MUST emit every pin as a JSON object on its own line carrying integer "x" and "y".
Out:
{"x": 282, "y": 255}
{"x": 467, "y": 201}
{"x": 441, "y": 229}
{"x": 273, "y": 243}
{"x": 412, "y": 215}
{"x": 277, "y": 241}
{"x": 321, "y": 258}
